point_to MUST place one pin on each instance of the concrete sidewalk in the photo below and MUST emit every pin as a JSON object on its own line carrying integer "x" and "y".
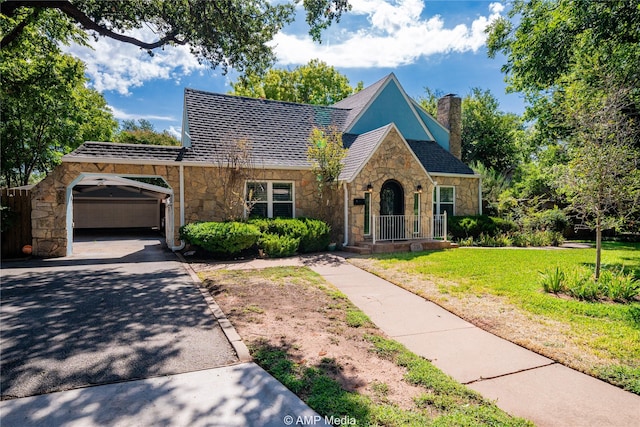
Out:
{"x": 239, "y": 395}
{"x": 521, "y": 382}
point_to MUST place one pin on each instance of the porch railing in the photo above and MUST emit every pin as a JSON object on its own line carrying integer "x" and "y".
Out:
{"x": 409, "y": 227}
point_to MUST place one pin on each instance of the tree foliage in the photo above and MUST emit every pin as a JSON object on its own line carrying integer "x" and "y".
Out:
{"x": 143, "y": 133}
{"x": 602, "y": 178}
{"x": 490, "y": 136}
{"x": 46, "y": 108}
{"x": 578, "y": 62}
{"x": 314, "y": 83}
{"x": 221, "y": 33}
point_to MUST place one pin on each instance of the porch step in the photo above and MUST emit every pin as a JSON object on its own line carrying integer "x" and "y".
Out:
{"x": 362, "y": 250}
{"x": 367, "y": 247}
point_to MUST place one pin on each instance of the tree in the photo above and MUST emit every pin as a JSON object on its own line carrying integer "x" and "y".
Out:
{"x": 143, "y": 133}
{"x": 46, "y": 108}
{"x": 314, "y": 83}
{"x": 602, "y": 179}
{"x": 490, "y": 136}
{"x": 221, "y": 32}
{"x": 326, "y": 152}
{"x": 546, "y": 41}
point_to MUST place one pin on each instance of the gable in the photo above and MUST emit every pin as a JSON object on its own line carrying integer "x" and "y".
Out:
{"x": 439, "y": 132}
{"x": 391, "y": 105}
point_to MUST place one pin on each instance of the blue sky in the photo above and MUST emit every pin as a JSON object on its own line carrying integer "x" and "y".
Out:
{"x": 436, "y": 44}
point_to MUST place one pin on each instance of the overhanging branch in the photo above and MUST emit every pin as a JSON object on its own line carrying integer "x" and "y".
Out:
{"x": 9, "y": 9}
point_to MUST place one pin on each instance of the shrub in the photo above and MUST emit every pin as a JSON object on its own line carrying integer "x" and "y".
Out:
{"x": 275, "y": 246}
{"x": 586, "y": 291}
{"x": 619, "y": 287}
{"x": 554, "y": 220}
{"x": 317, "y": 235}
{"x": 291, "y": 227}
{"x": 552, "y": 280}
{"x": 221, "y": 237}
{"x": 461, "y": 227}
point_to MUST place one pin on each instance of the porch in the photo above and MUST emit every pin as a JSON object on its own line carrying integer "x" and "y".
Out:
{"x": 404, "y": 233}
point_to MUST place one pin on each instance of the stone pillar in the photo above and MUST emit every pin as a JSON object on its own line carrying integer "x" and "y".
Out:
{"x": 450, "y": 116}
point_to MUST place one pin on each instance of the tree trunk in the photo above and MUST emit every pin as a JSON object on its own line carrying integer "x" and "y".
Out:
{"x": 598, "y": 247}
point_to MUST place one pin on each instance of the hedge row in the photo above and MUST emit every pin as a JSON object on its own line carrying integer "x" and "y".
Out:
{"x": 278, "y": 237}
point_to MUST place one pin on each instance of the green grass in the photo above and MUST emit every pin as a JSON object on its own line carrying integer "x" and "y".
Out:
{"x": 606, "y": 328}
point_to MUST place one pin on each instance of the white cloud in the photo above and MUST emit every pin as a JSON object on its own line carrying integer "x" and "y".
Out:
{"x": 123, "y": 115}
{"x": 176, "y": 132}
{"x": 397, "y": 35}
{"x": 118, "y": 66}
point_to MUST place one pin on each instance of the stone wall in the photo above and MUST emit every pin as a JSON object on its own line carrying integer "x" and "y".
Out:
{"x": 392, "y": 160}
{"x": 49, "y": 210}
{"x": 205, "y": 196}
{"x": 467, "y": 202}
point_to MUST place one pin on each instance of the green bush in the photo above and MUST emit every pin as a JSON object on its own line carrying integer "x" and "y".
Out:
{"x": 221, "y": 237}
{"x": 553, "y": 220}
{"x": 275, "y": 246}
{"x": 317, "y": 236}
{"x": 462, "y": 227}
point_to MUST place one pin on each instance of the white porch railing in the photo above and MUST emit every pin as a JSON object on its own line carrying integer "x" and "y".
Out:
{"x": 408, "y": 227}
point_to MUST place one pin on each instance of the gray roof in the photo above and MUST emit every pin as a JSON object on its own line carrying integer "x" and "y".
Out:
{"x": 276, "y": 132}
{"x": 360, "y": 149}
{"x": 436, "y": 159}
{"x": 127, "y": 151}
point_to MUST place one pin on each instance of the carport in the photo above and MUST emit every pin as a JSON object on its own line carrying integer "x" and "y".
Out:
{"x": 119, "y": 202}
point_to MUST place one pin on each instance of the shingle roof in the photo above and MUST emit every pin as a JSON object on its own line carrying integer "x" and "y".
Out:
{"x": 127, "y": 151}
{"x": 276, "y": 132}
{"x": 436, "y": 159}
{"x": 360, "y": 149}
{"x": 356, "y": 102}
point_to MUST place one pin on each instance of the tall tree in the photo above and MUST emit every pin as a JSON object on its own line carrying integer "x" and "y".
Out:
{"x": 222, "y": 32}
{"x": 46, "y": 108}
{"x": 577, "y": 63}
{"x": 314, "y": 83}
{"x": 143, "y": 132}
{"x": 602, "y": 178}
{"x": 489, "y": 135}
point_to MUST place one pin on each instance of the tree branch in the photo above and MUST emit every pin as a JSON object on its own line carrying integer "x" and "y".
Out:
{"x": 17, "y": 30}
{"x": 9, "y": 8}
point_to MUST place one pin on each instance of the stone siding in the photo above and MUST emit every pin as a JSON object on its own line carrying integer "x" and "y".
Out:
{"x": 467, "y": 202}
{"x": 205, "y": 198}
{"x": 393, "y": 160}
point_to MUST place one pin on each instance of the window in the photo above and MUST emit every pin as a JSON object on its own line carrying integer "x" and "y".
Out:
{"x": 444, "y": 200}
{"x": 270, "y": 199}
{"x": 367, "y": 213}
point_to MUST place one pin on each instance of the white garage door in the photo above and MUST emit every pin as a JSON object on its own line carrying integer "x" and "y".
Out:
{"x": 110, "y": 213}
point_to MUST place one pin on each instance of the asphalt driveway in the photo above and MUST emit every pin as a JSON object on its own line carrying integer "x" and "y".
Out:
{"x": 118, "y": 310}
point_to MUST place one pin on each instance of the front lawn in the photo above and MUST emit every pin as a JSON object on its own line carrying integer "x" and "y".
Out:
{"x": 499, "y": 289}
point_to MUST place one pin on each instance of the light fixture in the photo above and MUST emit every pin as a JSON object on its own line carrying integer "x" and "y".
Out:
{"x": 370, "y": 188}
{"x": 419, "y": 188}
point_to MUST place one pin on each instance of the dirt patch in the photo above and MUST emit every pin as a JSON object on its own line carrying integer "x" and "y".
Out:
{"x": 496, "y": 315}
{"x": 295, "y": 310}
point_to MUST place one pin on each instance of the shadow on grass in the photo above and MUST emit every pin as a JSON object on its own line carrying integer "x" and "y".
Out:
{"x": 320, "y": 385}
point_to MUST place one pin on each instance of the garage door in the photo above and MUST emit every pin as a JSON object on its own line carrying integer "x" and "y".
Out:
{"x": 110, "y": 213}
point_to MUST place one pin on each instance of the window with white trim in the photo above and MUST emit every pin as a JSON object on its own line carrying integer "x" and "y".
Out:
{"x": 270, "y": 199}
{"x": 444, "y": 199}
{"x": 416, "y": 213}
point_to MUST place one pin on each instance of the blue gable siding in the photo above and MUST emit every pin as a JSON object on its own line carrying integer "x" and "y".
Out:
{"x": 391, "y": 107}
{"x": 439, "y": 133}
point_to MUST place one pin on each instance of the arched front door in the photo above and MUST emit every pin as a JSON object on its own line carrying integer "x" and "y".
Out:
{"x": 392, "y": 211}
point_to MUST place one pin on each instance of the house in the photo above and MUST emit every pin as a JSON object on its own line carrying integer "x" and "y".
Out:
{"x": 402, "y": 170}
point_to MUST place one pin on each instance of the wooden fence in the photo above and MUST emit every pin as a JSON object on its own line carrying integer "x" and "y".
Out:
{"x": 16, "y": 221}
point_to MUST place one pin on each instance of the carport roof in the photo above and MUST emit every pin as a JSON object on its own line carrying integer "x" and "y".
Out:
{"x": 110, "y": 150}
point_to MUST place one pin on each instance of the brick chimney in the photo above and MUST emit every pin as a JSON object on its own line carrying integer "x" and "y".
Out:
{"x": 450, "y": 116}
